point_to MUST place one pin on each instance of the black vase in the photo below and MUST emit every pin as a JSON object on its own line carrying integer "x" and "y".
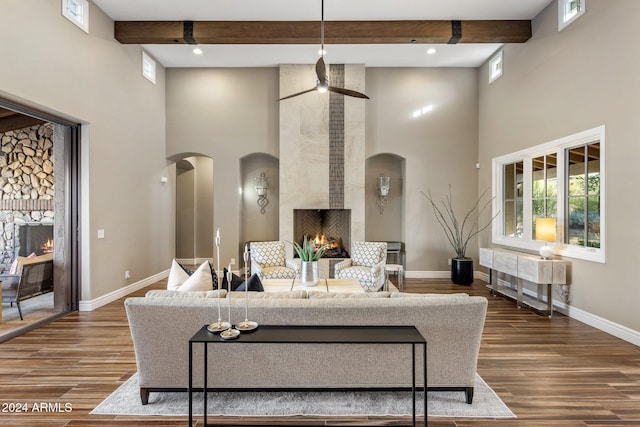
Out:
{"x": 462, "y": 271}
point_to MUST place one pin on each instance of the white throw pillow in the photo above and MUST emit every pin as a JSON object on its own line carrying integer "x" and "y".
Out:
{"x": 200, "y": 280}
{"x": 177, "y": 276}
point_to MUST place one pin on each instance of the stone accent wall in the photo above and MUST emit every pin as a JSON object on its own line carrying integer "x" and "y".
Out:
{"x": 26, "y": 183}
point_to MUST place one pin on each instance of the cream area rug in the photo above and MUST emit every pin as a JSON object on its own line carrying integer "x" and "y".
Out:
{"x": 126, "y": 401}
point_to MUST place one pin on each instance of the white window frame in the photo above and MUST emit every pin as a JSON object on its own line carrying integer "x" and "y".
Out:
{"x": 564, "y": 20}
{"x": 496, "y": 60}
{"x": 80, "y": 19}
{"x": 526, "y": 242}
{"x": 148, "y": 67}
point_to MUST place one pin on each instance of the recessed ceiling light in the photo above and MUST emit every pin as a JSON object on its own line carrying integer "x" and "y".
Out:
{"x": 431, "y": 51}
{"x": 322, "y": 52}
{"x": 197, "y": 51}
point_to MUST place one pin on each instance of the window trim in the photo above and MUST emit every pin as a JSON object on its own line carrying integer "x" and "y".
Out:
{"x": 495, "y": 59}
{"x": 526, "y": 242}
{"x": 66, "y": 12}
{"x": 564, "y": 23}
{"x": 151, "y": 74}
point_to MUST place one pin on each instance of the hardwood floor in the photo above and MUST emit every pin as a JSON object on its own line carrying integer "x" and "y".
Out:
{"x": 550, "y": 372}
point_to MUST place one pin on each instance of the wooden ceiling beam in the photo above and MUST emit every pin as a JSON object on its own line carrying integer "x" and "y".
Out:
{"x": 308, "y": 32}
{"x": 10, "y": 120}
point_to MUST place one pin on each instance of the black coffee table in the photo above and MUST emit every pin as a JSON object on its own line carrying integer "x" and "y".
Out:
{"x": 271, "y": 334}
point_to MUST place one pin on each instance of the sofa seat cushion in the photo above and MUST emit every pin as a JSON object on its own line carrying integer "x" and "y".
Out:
{"x": 186, "y": 294}
{"x": 298, "y": 294}
{"x": 342, "y": 295}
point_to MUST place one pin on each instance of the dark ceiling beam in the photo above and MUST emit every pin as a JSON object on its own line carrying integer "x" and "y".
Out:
{"x": 308, "y": 32}
{"x": 10, "y": 120}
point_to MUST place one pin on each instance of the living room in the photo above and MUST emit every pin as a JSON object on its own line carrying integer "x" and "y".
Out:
{"x": 557, "y": 84}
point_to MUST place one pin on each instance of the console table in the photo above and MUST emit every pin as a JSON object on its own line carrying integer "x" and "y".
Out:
{"x": 267, "y": 334}
{"x": 527, "y": 267}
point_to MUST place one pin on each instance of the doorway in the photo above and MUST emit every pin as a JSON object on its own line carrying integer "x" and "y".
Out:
{"x": 39, "y": 170}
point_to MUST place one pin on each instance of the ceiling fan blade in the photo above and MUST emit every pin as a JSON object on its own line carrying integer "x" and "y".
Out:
{"x": 347, "y": 92}
{"x": 321, "y": 70}
{"x": 299, "y": 93}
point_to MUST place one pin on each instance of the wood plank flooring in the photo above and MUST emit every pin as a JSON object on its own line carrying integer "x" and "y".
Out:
{"x": 550, "y": 372}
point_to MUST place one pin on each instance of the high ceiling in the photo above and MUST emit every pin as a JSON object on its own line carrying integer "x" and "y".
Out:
{"x": 372, "y": 55}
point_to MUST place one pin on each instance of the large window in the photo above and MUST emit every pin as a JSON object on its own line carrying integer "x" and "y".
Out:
{"x": 563, "y": 180}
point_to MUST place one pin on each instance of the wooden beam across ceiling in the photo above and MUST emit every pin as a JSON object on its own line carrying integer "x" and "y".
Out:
{"x": 308, "y": 32}
{"x": 10, "y": 120}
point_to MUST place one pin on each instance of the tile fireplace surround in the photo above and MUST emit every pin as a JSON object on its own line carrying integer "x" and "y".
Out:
{"x": 322, "y": 162}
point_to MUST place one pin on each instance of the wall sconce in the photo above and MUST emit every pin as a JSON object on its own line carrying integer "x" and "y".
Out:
{"x": 384, "y": 186}
{"x": 261, "y": 189}
{"x": 546, "y": 231}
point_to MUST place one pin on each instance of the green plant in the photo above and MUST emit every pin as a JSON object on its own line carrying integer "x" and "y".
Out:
{"x": 459, "y": 233}
{"x": 307, "y": 251}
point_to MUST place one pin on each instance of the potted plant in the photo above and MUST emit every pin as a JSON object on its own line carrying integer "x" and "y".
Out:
{"x": 309, "y": 255}
{"x": 459, "y": 233}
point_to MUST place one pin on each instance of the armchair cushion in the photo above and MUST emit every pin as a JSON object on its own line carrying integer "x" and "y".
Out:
{"x": 268, "y": 261}
{"x": 366, "y": 265}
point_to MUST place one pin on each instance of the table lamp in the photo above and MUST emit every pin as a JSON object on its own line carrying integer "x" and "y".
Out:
{"x": 546, "y": 232}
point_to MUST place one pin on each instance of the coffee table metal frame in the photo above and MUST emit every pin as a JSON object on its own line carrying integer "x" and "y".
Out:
{"x": 282, "y": 334}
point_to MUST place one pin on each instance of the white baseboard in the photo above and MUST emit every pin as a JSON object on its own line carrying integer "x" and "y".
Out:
{"x": 122, "y": 292}
{"x": 617, "y": 330}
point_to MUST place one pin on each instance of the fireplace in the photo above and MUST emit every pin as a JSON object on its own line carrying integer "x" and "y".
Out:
{"x": 326, "y": 226}
{"x": 33, "y": 238}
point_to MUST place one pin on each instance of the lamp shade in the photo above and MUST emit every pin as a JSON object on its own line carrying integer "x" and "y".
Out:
{"x": 546, "y": 229}
{"x": 384, "y": 185}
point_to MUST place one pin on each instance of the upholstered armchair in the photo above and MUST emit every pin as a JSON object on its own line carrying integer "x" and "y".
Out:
{"x": 366, "y": 265}
{"x": 268, "y": 261}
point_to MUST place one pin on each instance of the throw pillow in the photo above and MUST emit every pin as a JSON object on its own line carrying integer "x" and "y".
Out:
{"x": 177, "y": 276}
{"x": 200, "y": 280}
{"x": 214, "y": 276}
{"x": 235, "y": 280}
{"x": 253, "y": 283}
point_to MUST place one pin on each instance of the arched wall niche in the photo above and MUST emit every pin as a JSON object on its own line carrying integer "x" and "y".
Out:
{"x": 194, "y": 207}
{"x": 389, "y": 225}
{"x": 257, "y": 226}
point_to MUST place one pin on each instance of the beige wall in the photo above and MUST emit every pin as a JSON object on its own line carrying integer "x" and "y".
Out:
{"x": 560, "y": 83}
{"x": 48, "y": 62}
{"x": 440, "y": 148}
{"x": 226, "y": 114}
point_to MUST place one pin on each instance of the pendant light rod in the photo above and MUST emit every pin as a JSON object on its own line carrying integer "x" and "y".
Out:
{"x": 322, "y": 28}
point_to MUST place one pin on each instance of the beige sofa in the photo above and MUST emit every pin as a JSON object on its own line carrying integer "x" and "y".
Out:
{"x": 162, "y": 322}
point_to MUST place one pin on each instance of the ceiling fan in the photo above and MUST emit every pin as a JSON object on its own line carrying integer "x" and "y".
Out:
{"x": 322, "y": 83}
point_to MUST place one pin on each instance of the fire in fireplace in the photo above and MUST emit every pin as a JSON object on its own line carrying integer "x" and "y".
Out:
{"x": 33, "y": 238}
{"x": 329, "y": 227}
{"x": 334, "y": 246}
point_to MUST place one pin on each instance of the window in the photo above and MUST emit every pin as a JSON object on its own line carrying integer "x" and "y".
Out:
{"x": 495, "y": 67}
{"x": 562, "y": 179}
{"x": 583, "y": 196}
{"x": 148, "y": 68}
{"x": 513, "y": 199}
{"x": 544, "y": 189}
{"x": 569, "y": 11}
{"x": 77, "y": 11}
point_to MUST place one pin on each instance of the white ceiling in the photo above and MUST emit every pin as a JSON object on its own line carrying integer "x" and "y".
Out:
{"x": 461, "y": 55}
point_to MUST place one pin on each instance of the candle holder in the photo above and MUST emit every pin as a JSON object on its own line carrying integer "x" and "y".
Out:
{"x": 230, "y": 333}
{"x": 246, "y": 325}
{"x": 218, "y": 326}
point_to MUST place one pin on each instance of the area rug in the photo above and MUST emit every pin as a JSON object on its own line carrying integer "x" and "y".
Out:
{"x": 126, "y": 401}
